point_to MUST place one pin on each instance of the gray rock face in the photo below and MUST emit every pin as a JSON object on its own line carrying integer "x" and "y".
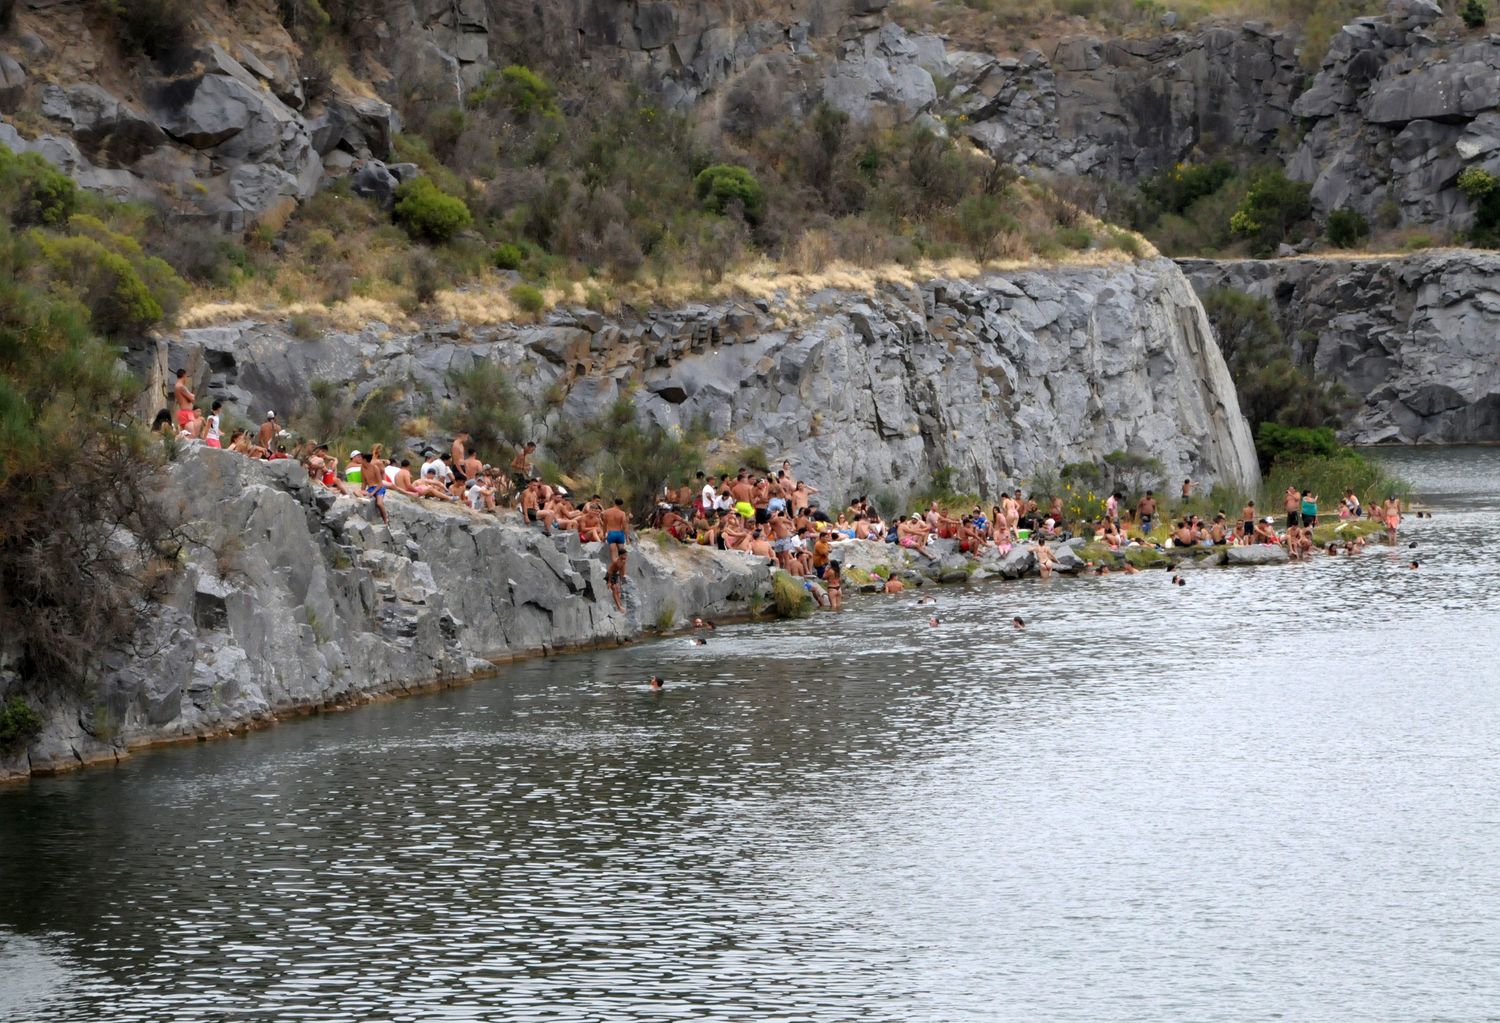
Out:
{"x": 997, "y": 379}
{"x": 1259, "y": 554}
{"x": 1395, "y": 114}
{"x": 1124, "y": 109}
{"x": 1416, "y": 338}
{"x": 295, "y": 598}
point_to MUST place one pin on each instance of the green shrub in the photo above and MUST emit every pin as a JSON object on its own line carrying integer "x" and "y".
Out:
{"x": 19, "y": 725}
{"x": 429, "y": 214}
{"x": 789, "y": 599}
{"x": 1275, "y": 442}
{"x": 1474, "y": 12}
{"x": 119, "y": 302}
{"x": 521, "y": 90}
{"x": 508, "y": 256}
{"x": 1076, "y": 238}
{"x": 723, "y": 184}
{"x": 528, "y": 299}
{"x": 34, "y": 192}
{"x": 1482, "y": 189}
{"x": 486, "y": 407}
{"x": 1176, "y": 189}
{"x": 1271, "y": 208}
{"x": 1346, "y": 228}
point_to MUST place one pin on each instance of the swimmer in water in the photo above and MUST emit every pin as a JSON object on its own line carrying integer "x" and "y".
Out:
{"x": 934, "y": 622}
{"x": 1018, "y": 622}
{"x": 1414, "y": 566}
{"x": 656, "y": 682}
{"x": 700, "y": 642}
{"x": 926, "y": 598}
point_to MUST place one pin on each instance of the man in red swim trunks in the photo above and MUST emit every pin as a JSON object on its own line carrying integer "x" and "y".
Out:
{"x": 185, "y": 399}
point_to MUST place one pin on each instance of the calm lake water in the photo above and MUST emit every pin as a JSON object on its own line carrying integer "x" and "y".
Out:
{"x": 1272, "y": 794}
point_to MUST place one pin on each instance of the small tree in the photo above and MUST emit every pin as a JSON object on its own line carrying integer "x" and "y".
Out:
{"x": 1271, "y": 208}
{"x": 723, "y": 184}
{"x": 1482, "y": 189}
{"x": 1474, "y": 12}
{"x": 1346, "y": 228}
{"x": 429, "y": 214}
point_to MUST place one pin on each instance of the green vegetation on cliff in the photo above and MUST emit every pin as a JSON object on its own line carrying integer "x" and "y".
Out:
{"x": 82, "y": 537}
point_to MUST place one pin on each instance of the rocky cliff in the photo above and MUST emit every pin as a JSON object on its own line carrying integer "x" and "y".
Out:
{"x": 1416, "y": 339}
{"x": 240, "y": 120}
{"x": 996, "y": 378}
{"x": 291, "y": 598}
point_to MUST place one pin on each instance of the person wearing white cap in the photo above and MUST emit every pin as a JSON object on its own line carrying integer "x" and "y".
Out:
{"x": 354, "y": 472}
{"x": 267, "y": 432}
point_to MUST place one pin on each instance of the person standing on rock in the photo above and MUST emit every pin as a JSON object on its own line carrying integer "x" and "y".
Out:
{"x": 1309, "y": 509}
{"x": 616, "y": 527}
{"x": 184, "y": 399}
{"x": 834, "y": 583}
{"x": 266, "y": 435}
{"x": 460, "y": 449}
{"x": 1145, "y": 510}
{"x": 1293, "y": 504}
{"x": 1247, "y": 521}
{"x": 1187, "y": 490}
{"x": 520, "y": 466}
{"x": 212, "y": 435}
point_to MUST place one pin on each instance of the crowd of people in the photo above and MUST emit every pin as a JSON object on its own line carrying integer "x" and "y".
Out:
{"x": 764, "y": 514}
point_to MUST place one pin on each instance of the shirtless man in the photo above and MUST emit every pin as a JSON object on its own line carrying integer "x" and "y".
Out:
{"x": 1145, "y": 510}
{"x": 1247, "y": 521}
{"x": 912, "y": 534}
{"x": 1265, "y": 532}
{"x": 403, "y": 483}
{"x": 265, "y": 437}
{"x": 472, "y": 466}
{"x": 460, "y": 450}
{"x": 520, "y": 466}
{"x": 1293, "y": 504}
{"x": 781, "y": 538}
{"x": 1392, "y": 515}
{"x": 184, "y": 399}
{"x": 590, "y": 525}
{"x": 757, "y": 544}
{"x": 616, "y": 527}
{"x": 531, "y": 505}
{"x": 374, "y": 484}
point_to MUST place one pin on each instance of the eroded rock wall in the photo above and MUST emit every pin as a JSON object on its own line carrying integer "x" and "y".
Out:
{"x": 293, "y": 598}
{"x": 1415, "y": 339}
{"x": 996, "y": 378}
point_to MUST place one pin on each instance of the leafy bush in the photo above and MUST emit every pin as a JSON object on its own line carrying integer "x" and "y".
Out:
{"x": 1274, "y": 442}
{"x": 789, "y": 599}
{"x": 1482, "y": 189}
{"x": 19, "y": 725}
{"x": 1271, "y": 208}
{"x": 429, "y": 214}
{"x": 1346, "y": 228}
{"x": 508, "y": 256}
{"x": 84, "y": 537}
{"x": 1474, "y": 12}
{"x": 486, "y": 407}
{"x": 723, "y": 184}
{"x": 521, "y": 90}
{"x": 528, "y": 299}
{"x": 35, "y": 192}
{"x": 119, "y": 302}
{"x": 1176, "y": 189}
{"x": 1073, "y": 238}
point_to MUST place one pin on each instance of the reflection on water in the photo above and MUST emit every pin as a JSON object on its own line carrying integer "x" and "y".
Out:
{"x": 1269, "y": 793}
